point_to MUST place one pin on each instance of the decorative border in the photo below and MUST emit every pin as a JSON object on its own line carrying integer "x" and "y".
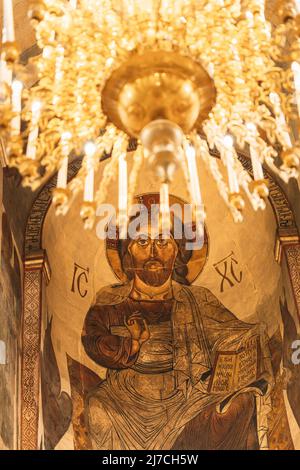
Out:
{"x": 35, "y": 221}
{"x": 30, "y": 372}
{"x": 287, "y": 231}
{"x": 279, "y": 202}
{"x": 36, "y": 272}
{"x": 3, "y": 156}
{"x": 292, "y": 253}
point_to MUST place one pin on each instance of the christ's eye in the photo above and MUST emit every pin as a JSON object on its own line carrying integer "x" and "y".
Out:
{"x": 143, "y": 241}
{"x": 161, "y": 242}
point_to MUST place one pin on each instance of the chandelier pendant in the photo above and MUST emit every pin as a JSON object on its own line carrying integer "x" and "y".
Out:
{"x": 158, "y": 85}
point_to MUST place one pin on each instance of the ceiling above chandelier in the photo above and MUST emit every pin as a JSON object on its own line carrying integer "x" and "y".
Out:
{"x": 181, "y": 77}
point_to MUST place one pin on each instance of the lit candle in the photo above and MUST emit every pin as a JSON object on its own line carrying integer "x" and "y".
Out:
{"x": 60, "y": 51}
{"x": 17, "y": 88}
{"x": 211, "y": 69}
{"x": 90, "y": 149}
{"x": 5, "y": 71}
{"x": 195, "y": 187}
{"x": 296, "y": 72}
{"x": 193, "y": 175}
{"x": 258, "y": 173}
{"x": 147, "y": 6}
{"x": 280, "y": 120}
{"x": 232, "y": 177}
{"x": 62, "y": 176}
{"x": 129, "y": 7}
{"x": 165, "y": 210}
{"x": 123, "y": 196}
{"x": 33, "y": 134}
{"x": 59, "y": 74}
{"x": 5, "y": 78}
{"x": 249, "y": 16}
{"x": 8, "y": 21}
{"x": 257, "y": 168}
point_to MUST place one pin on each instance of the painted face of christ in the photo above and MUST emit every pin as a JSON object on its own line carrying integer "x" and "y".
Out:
{"x": 153, "y": 258}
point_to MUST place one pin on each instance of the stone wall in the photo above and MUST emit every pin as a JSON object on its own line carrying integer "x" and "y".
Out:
{"x": 10, "y": 329}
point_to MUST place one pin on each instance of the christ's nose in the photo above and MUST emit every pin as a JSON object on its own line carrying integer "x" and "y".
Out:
{"x": 153, "y": 249}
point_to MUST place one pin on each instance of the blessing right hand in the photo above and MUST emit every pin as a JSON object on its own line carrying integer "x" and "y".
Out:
{"x": 138, "y": 327}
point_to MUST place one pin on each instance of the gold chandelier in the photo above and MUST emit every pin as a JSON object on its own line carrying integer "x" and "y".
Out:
{"x": 181, "y": 77}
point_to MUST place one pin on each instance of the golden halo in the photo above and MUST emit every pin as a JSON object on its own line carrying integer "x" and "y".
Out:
{"x": 196, "y": 258}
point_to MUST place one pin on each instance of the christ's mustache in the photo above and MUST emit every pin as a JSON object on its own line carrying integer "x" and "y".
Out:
{"x": 154, "y": 263}
{"x": 135, "y": 269}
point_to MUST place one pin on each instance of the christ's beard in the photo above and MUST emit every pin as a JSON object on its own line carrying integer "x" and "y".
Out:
{"x": 154, "y": 273}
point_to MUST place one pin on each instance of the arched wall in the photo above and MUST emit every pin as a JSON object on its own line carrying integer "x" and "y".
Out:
{"x": 279, "y": 231}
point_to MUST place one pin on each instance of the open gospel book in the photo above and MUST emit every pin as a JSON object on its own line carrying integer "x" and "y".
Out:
{"x": 236, "y": 368}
